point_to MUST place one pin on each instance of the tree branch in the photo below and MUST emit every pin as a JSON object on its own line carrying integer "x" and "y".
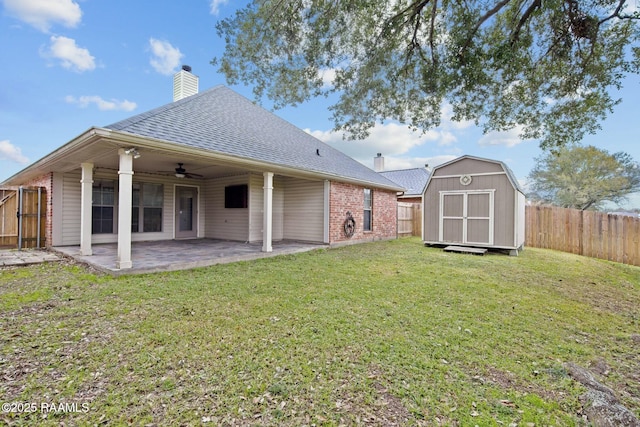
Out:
{"x": 523, "y": 20}
{"x": 616, "y": 13}
{"x": 434, "y": 54}
{"x": 481, "y": 21}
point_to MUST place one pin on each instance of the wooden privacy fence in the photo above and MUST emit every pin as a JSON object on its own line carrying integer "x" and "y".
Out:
{"x": 409, "y": 219}
{"x": 22, "y": 217}
{"x": 593, "y": 234}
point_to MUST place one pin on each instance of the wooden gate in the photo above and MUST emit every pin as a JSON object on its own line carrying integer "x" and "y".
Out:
{"x": 22, "y": 217}
{"x": 409, "y": 219}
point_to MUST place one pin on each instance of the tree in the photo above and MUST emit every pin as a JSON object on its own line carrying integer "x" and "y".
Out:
{"x": 584, "y": 177}
{"x": 545, "y": 67}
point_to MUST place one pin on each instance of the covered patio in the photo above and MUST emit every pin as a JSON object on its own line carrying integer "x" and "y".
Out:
{"x": 171, "y": 255}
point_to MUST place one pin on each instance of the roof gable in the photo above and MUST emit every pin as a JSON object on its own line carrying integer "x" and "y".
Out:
{"x": 500, "y": 165}
{"x": 220, "y": 120}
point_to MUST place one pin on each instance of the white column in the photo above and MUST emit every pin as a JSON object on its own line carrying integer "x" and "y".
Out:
{"x": 124, "y": 210}
{"x": 86, "y": 202}
{"x": 267, "y": 229}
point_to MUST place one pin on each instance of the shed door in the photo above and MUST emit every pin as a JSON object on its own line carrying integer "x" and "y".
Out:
{"x": 466, "y": 217}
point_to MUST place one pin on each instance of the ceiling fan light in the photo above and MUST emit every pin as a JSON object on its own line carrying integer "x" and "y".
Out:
{"x": 180, "y": 175}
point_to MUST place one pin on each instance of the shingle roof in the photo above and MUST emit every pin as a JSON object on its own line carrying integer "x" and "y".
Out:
{"x": 414, "y": 180}
{"x": 222, "y": 121}
{"x": 510, "y": 175}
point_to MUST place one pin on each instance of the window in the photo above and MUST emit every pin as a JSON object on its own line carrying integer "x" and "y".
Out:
{"x": 146, "y": 207}
{"x": 235, "y": 196}
{"x": 103, "y": 207}
{"x": 367, "y": 222}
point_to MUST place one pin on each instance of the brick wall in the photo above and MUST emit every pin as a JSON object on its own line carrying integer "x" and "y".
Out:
{"x": 45, "y": 181}
{"x": 348, "y": 197}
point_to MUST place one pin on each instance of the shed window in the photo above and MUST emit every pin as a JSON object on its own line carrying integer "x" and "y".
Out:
{"x": 367, "y": 222}
{"x": 103, "y": 207}
{"x": 236, "y": 196}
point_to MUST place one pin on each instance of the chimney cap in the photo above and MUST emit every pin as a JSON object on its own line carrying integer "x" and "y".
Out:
{"x": 187, "y": 68}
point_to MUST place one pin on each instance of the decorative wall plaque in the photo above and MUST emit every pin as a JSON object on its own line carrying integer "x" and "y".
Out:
{"x": 465, "y": 179}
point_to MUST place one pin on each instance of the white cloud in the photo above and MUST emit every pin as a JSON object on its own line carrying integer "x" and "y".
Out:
{"x": 215, "y": 6}
{"x": 12, "y": 153}
{"x": 393, "y": 139}
{"x": 509, "y": 138}
{"x": 397, "y": 163}
{"x": 42, "y": 14}
{"x": 165, "y": 57}
{"x": 328, "y": 75}
{"x": 70, "y": 55}
{"x": 446, "y": 113}
{"x": 102, "y": 104}
{"x": 389, "y": 139}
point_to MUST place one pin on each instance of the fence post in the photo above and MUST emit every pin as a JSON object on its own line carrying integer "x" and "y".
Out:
{"x": 20, "y": 195}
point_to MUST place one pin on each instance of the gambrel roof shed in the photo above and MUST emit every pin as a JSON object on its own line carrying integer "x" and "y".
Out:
{"x": 472, "y": 201}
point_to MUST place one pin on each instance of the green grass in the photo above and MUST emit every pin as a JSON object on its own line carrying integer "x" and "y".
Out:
{"x": 376, "y": 334}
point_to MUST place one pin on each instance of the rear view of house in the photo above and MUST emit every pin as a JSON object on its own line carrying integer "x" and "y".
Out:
{"x": 474, "y": 202}
{"x": 209, "y": 165}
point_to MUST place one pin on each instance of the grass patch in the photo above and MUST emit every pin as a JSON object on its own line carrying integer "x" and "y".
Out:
{"x": 384, "y": 333}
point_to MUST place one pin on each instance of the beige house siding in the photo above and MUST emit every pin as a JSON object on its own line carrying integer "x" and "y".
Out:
{"x": 227, "y": 224}
{"x": 71, "y": 209}
{"x": 304, "y": 210}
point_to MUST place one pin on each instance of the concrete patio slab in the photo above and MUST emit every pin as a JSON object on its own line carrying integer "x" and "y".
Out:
{"x": 14, "y": 257}
{"x": 171, "y": 255}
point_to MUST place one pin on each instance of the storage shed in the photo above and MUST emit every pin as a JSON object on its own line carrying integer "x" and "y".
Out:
{"x": 474, "y": 202}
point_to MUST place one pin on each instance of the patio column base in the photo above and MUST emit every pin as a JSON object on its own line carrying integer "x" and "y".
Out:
{"x": 124, "y": 264}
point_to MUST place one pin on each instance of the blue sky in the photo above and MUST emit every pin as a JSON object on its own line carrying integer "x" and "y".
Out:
{"x": 68, "y": 65}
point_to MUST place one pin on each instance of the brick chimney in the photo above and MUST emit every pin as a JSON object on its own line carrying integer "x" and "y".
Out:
{"x": 184, "y": 83}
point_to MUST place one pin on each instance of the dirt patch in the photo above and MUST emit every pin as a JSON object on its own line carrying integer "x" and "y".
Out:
{"x": 508, "y": 380}
{"x": 387, "y": 409}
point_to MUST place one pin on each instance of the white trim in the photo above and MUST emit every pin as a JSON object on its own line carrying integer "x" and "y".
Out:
{"x": 465, "y": 194}
{"x": 86, "y": 208}
{"x": 267, "y": 214}
{"x": 125, "y": 181}
{"x": 470, "y": 174}
{"x": 515, "y": 218}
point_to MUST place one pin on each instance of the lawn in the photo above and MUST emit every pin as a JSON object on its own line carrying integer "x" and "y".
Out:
{"x": 388, "y": 333}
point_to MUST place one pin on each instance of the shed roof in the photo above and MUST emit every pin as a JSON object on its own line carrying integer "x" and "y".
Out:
{"x": 507, "y": 170}
{"x": 414, "y": 180}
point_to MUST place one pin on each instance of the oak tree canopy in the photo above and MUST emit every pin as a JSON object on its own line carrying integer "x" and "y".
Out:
{"x": 545, "y": 67}
{"x": 584, "y": 177}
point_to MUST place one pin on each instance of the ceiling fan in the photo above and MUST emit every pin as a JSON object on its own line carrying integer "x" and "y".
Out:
{"x": 181, "y": 172}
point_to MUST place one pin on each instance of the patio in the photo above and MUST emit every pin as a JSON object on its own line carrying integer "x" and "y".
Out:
{"x": 171, "y": 255}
